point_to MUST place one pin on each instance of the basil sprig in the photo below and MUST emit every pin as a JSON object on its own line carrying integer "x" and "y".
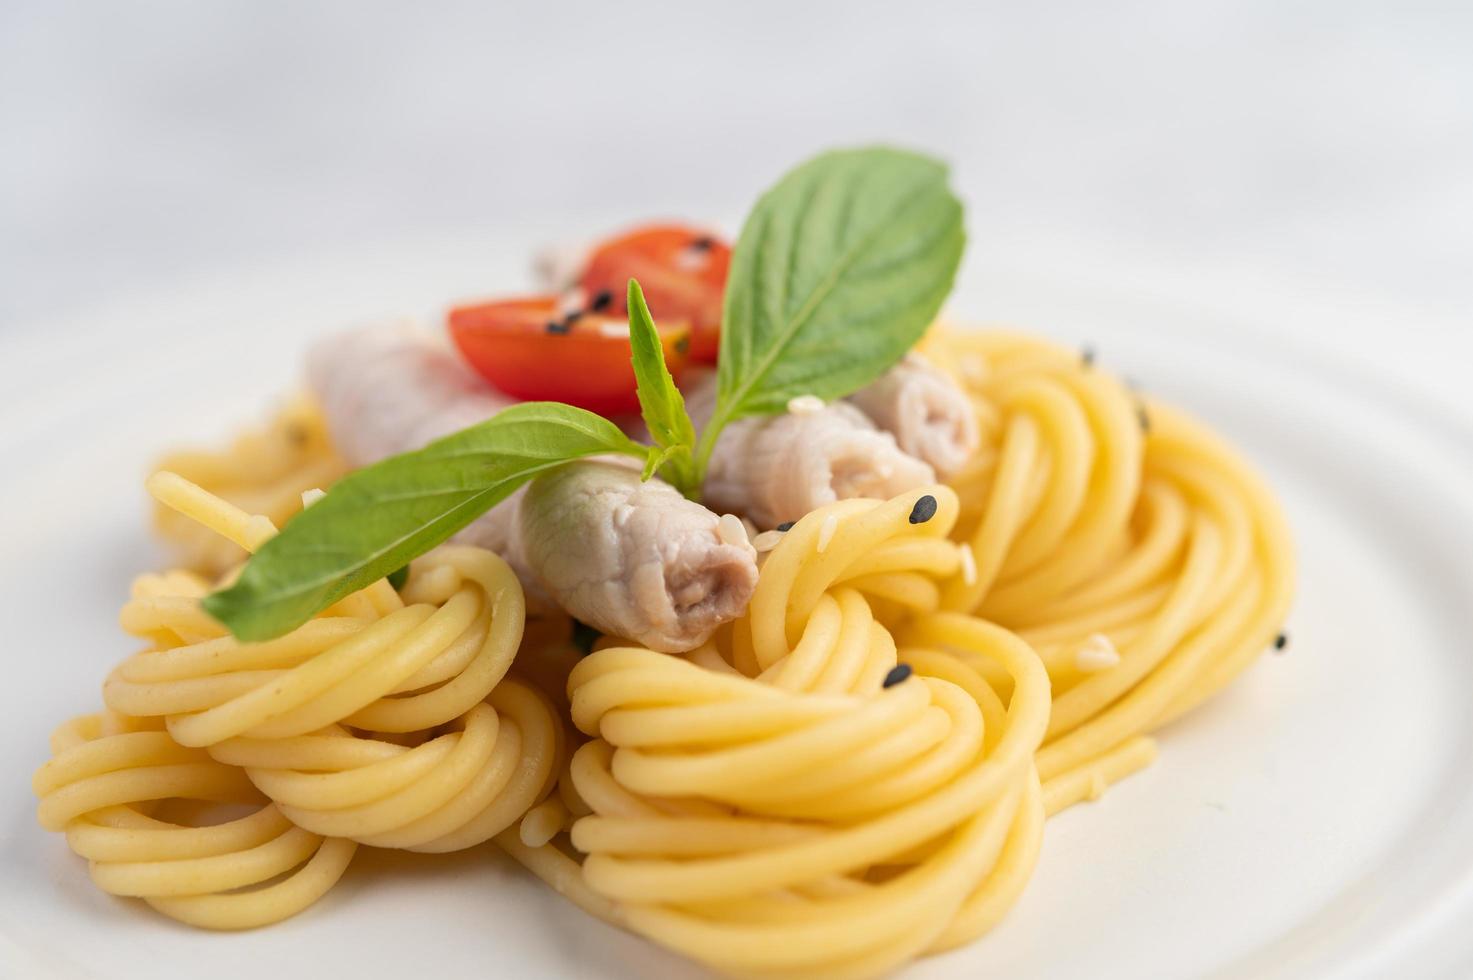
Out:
{"x": 660, "y": 402}
{"x": 377, "y": 519}
{"x": 838, "y": 271}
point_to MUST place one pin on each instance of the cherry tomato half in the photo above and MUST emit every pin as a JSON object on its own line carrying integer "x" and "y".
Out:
{"x": 681, "y": 270}
{"x": 530, "y": 350}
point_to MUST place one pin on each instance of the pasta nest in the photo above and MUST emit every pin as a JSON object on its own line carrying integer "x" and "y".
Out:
{"x": 131, "y": 801}
{"x": 1138, "y": 554}
{"x": 386, "y": 719}
{"x": 771, "y": 806}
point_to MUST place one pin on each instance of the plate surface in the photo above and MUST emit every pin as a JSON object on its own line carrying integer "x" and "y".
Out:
{"x": 1315, "y": 820}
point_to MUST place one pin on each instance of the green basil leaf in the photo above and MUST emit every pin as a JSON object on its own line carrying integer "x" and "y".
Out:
{"x": 377, "y": 519}
{"x": 656, "y": 458}
{"x": 660, "y": 401}
{"x": 839, "y": 270}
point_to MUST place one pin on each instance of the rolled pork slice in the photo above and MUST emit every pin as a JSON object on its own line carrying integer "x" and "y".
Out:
{"x": 929, "y": 416}
{"x": 635, "y": 558}
{"x": 388, "y": 389}
{"x": 777, "y": 468}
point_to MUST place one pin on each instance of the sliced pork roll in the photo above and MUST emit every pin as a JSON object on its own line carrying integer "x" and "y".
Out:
{"x": 929, "y": 416}
{"x": 778, "y": 468}
{"x": 387, "y": 389}
{"x": 633, "y": 557}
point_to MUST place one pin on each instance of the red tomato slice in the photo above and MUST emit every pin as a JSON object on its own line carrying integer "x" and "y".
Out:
{"x": 529, "y": 349}
{"x": 681, "y": 270}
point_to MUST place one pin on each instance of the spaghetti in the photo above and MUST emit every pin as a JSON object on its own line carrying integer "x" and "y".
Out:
{"x": 855, "y": 772}
{"x": 1097, "y": 521}
{"x": 784, "y": 801}
{"x": 769, "y": 806}
{"x": 105, "y": 788}
{"x": 264, "y": 472}
{"x": 388, "y": 720}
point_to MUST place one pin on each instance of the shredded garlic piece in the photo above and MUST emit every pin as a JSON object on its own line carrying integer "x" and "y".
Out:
{"x": 1096, "y": 653}
{"x": 692, "y": 259}
{"x": 973, "y": 368}
{"x": 826, "y": 532}
{"x": 310, "y": 497}
{"x": 767, "y": 540}
{"x": 969, "y": 564}
{"x": 571, "y": 301}
{"x": 731, "y": 530}
{"x": 805, "y": 404}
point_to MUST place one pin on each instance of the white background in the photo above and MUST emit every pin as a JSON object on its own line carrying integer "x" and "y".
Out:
{"x": 1309, "y": 162}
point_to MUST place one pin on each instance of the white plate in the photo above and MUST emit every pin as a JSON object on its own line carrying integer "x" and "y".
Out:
{"x": 1316, "y": 820}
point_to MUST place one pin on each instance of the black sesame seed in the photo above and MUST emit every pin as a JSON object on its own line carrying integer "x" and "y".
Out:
{"x": 682, "y": 345}
{"x": 601, "y": 300}
{"x": 924, "y": 510}
{"x": 1281, "y": 641}
{"x": 785, "y": 526}
{"x": 572, "y": 317}
{"x": 897, "y": 674}
{"x": 1087, "y": 357}
{"x": 703, "y": 244}
{"x": 559, "y": 327}
{"x": 584, "y": 637}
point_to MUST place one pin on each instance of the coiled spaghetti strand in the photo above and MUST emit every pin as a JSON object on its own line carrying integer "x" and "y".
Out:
{"x": 764, "y": 821}
{"x": 449, "y": 792}
{"x": 387, "y": 720}
{"x": 338, "y": 669}
{"x": 109, "y": 772}
{"x": 1183, "y": 586}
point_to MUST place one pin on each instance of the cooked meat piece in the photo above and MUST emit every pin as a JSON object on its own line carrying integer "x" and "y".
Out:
{"x": 778, "y": 468}
{"x": 634, "y": 558}
{"x": 387, "y": 389}
{"x": 929, "y": 416}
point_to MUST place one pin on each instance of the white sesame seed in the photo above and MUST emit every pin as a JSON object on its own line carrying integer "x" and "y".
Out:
{"x": 692, "y": 259}
{"x": 805, "y": 404}
{"x": 258, "y": 531}
{"x": 730, "y": 530}
{"x": 969, "y": 565}
{"x": 1096, "y": 653}
{"x": 767, "y": 540}
{"x": 557, "y": 266}
{"x": 571, "y": 301}
{"x": 613, "y": 329}
{"x": 973, "y": 368}
{"x": 310, "y": 497}
{"x": 826, "y": 532}
{"x": 441, "y": 580}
